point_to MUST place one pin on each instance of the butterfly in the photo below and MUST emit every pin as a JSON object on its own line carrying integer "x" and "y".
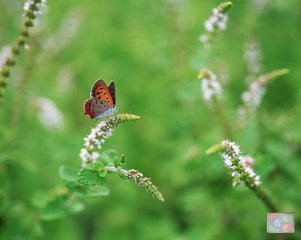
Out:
{"x": 102, "y": 101}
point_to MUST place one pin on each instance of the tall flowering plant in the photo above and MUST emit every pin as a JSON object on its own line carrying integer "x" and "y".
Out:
{"x": 240, "y": 166}
{"x": 32, "y": 9}
{"x": 95, "y": 166}
{"x": 215, "y": 23}
{"x": 241, "y": 170}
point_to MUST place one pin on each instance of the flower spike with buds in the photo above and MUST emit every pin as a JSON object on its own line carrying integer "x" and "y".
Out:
{"x": 216, "y": 22}
{"x": 98, "y": 135}
{"x": 253, "y": 58}
{"x": 241, "y": 171}
{"x": 240, "y": 166}
{"x": 31, "y": 9}
{"x": 210, "y": 86}
{"x": 253, "y": 96}
{"x": 212, "y": 93}
{"x": 139, "y": 179}
{"x": 95, "y": 166}
{"x": 144, "y": 182}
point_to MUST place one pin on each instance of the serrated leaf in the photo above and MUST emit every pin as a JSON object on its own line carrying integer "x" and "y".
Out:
{"x": 100, "y": 168}
{"x": 68, "y": 174}
{"x": 89, "y": 177}
{"x": 109, "y": 157}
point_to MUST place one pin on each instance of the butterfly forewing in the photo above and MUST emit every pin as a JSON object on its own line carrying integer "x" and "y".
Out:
{"x": 111, "y": 87}
{"x": 100, "y": 91}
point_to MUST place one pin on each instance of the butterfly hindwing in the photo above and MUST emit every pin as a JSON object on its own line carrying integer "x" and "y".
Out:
{"x": 98, "y": 107}
{"x": 101, "y": 92}
{"x": 87, "y": 108}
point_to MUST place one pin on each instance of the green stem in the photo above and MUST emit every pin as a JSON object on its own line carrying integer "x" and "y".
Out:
{"x": 263, "y": 195}
{"x": 222, "y": 118}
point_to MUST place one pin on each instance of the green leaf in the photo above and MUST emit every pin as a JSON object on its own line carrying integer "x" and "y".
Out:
{"x": 100, "y": 168}
{"x": 75, "y": 187}
{"x": 68, "y": 174}
{"x": 122, "y": 160}
{"x": 89, "y": 177}
{"x": 109, "y": 157}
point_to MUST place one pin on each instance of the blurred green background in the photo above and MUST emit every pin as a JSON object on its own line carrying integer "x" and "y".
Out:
{"x": 152, "y": 51}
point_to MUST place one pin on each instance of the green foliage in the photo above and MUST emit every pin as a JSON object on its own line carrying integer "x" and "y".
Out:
{"x": 151, "y": 50}
{"x": 110, "y": 158}
{"x": 90, "y": 176}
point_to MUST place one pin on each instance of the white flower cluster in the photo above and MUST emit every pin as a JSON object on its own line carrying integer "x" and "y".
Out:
{"x": 4, "y": 55}
{"x": 39, "y": 6}
{"x": 93, "y": 141}
{"x": 252, "y": 98}
{"x": 253, "y": 57}
{"x": 238, "y": 164}
{"x": 209, "y": 84}
{"x": 216, "y": 22}
{"x": 67, "y": 31}
{"x": 49, "y": 114}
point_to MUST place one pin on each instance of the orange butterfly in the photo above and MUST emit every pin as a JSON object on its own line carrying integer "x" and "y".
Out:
{"x": 102, "y": 101}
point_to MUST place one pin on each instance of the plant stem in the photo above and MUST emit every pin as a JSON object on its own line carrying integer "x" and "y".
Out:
{"x": 266, "y": 199}
{"x": 222, "y": 118}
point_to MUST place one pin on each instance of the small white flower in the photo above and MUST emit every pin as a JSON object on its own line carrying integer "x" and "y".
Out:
{"x": 209, "y": 85}
{"x": 27, "y": 5}
{"x": 250, "y": 171}
{"x": 93, "y": 141}
{"x": 4, "y": 55}
{"x": 84, "y": 155}
{"x": 247, "y": 161}
{"x": 235, "y": 174}
{"x": 252, "y": 98}
{"x": 94, "y": 156}
{"x": 232, "y": 149}
{"x": 216, "y": 22}
{"x": 65, "y": 34}
{"x": 228, "y": 163}
{"x": 239, "y": 165}
{"x": 209, "y": 25}
{"x": 257, "y": 181}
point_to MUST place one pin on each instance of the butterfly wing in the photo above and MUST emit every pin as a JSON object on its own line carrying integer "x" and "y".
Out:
{"x": 101, "y": 92}
{"x": 87, "y": 108}
{"x": 99, "y": 108}
{"x": 111, "y": 88}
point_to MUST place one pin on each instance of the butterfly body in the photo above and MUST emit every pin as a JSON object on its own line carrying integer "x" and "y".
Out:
{"x": 102, "y": 101}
